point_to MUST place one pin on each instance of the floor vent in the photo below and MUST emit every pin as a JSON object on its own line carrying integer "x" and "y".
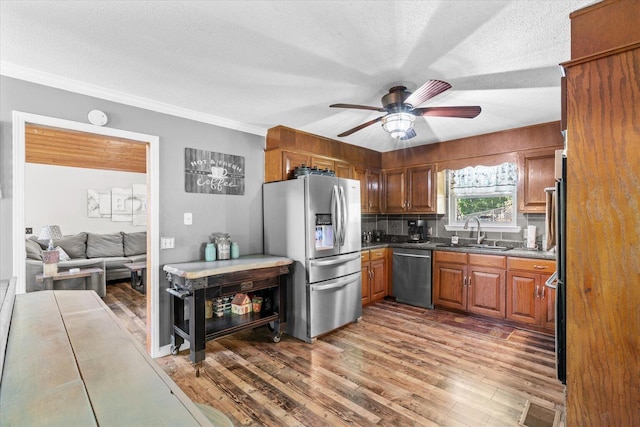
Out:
{"x": 535, "y": 415}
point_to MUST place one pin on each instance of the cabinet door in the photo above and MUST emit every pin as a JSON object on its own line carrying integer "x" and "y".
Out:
{"x": 344, "y": 170}
{"x": 378, "y": 279}
{"x": 394, "y": 191}
{"x": 486, "y": 288}
{"x": 522, "y": 301}
{"x": 366, "y": 284}
{"x": 290, "y": 161}
{"x": 547, "y": 305}
{"x": 373, "y": 189}
{"x": 366, "y": 277}
{"x": 421, "y": 189}
{"x": 321, "y": 163}
{"x": 360, "y": 174}
{"x": 448, "y": 287}
{"x": 537, "y": 172}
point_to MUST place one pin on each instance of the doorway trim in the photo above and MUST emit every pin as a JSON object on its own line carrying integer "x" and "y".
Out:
{"x": 20, "y": 119}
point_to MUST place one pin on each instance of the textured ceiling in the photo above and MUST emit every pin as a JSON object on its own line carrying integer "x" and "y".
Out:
{"x": 268, "y": 63}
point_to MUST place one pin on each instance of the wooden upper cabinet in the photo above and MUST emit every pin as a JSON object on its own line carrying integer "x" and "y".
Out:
{"x": 322, "y": 163}
{"x": 394, "y": 191}
{"x": 409, "y": 190}
{"x": 374, "y": 190}
{"x": 369, "y": 188}
{"x": 421, "y": 189}
{"x": 343, "y": 170}
{"x": 292, "y": 160}
{"x": 536, "y": 172}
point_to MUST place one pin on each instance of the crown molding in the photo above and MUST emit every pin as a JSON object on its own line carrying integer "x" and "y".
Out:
{"x": 47, "y": 79}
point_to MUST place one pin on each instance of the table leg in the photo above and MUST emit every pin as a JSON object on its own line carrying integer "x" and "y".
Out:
{"x": 197, "y": 326}
{"x": 177, "y": 308}
{"x": 143, "y": 280}
{"x": 48, "y": 283}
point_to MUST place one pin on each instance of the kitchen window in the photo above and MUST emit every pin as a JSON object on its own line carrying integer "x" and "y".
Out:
{"x": 488, "y": 192}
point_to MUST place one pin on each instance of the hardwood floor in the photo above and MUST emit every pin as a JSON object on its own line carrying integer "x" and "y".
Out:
{"x": 399, "y": 366}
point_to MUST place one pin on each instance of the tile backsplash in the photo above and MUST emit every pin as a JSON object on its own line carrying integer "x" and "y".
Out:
{"x": 396, "y": 225}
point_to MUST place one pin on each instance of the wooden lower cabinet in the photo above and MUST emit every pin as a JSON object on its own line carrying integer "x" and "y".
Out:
{"x": 374, "y": 275}
{"x": 529, "y": 301}
{"x": 470, "y": 282}
{"x": 502, "y": 287}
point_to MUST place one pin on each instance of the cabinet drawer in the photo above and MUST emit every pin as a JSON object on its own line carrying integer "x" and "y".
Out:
{"x": 533, "y": 265}
{"x": 455, "y": 257}
{"x": 493, "y": 261}
{"x": 364, "y": 256}
{"x": 378, "y": 253}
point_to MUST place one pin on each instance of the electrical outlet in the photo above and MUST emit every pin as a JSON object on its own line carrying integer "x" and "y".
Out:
{"x": 28, "y": 230}
{"x": 188, "y": 218}
{"x": 167, "y": 242}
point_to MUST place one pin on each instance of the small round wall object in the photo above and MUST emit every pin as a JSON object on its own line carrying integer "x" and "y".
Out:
{"x": 98, "y": 118}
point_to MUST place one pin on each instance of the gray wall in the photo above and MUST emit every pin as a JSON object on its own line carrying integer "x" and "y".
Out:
{"x": 240, "y": 216}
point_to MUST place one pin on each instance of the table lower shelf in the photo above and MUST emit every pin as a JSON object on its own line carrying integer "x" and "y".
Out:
{"x": 217, "y": 327}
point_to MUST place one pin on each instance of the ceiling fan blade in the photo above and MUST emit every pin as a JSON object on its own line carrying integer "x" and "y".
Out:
{"x": 362, "y": 126}
{"x": 409, "y": 134}
{"x": 427, "y": 91}
{"x": 461, "y": 112}
{"x": 359, "y": 107}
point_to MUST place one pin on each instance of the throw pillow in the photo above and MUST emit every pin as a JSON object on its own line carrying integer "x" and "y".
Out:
{"x": 63, "y": 254}
{"x": 75, "y": 245}
{"x": 34, "y": 250}
{"x": 104, "y": 245}
{"x": 135, "y": 243}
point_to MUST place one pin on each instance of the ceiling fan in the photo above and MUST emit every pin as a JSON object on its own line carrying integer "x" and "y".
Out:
{"x": 401, "y": 108}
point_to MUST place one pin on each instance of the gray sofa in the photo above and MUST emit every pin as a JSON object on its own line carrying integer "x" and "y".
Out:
{"x": 110, "y": 252}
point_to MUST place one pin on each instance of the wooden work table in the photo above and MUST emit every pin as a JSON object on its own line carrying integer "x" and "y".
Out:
{"x": 192, "y": 283}
{"x": 70, "y": 362}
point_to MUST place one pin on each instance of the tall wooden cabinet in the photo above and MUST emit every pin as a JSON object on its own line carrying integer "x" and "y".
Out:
{"x": 603, "y": 229}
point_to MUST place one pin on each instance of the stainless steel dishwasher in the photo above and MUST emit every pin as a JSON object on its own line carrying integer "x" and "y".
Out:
{"x": 412, "y": 276}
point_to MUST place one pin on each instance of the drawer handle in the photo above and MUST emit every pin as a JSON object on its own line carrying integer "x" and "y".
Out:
{"x": 245, "y": 286}
{"x": 540, "y": 267}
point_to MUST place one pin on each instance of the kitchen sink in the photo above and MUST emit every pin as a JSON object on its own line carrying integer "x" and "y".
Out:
{"x": 473, "y": 246}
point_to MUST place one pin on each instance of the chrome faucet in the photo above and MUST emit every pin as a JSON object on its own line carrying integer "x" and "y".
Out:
{"x": 466, "y": 226}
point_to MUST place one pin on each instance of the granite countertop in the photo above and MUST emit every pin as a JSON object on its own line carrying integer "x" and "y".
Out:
{"x": 198, "y": 269}
{"x": 515, "y": 252}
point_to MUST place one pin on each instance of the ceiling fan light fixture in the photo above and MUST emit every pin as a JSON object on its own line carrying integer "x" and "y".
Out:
{"x": 397, "y": 124}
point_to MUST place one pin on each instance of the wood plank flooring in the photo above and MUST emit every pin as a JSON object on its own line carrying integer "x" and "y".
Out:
{"x": 399, "y": 366}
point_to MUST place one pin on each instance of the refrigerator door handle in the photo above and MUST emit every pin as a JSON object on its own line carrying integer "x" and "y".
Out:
{"x": 552, "y": 281}
{"x": 333, "y": 260}
{"x": 335, "y": 284}
{"x": 335, "y": 212}
{"x": 343, "y": 215}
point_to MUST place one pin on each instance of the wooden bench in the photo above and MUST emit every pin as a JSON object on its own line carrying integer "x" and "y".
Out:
{"x": 69, "y": 361}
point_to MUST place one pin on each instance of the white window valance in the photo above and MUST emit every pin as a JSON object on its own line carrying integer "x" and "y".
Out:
{"x": 484, "y": 179}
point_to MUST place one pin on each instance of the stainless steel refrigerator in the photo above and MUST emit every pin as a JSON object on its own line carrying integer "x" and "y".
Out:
{"x": 315, "y": 220}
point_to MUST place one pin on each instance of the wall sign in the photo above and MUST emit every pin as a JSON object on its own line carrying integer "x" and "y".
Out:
{"x": 213, "y": 173}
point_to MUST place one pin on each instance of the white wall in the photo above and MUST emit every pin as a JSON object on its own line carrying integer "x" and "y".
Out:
{"x": 58, "y": 195}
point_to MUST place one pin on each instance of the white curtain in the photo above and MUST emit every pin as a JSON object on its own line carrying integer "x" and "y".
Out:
{"x": 484, "y": 179}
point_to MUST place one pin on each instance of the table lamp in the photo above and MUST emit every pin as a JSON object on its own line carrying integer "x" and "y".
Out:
{"x": 50, "y": 257}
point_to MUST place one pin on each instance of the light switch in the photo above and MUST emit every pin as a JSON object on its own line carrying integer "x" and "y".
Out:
{"x": 167, "y": 242}
{"x": 188, "y": 218}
